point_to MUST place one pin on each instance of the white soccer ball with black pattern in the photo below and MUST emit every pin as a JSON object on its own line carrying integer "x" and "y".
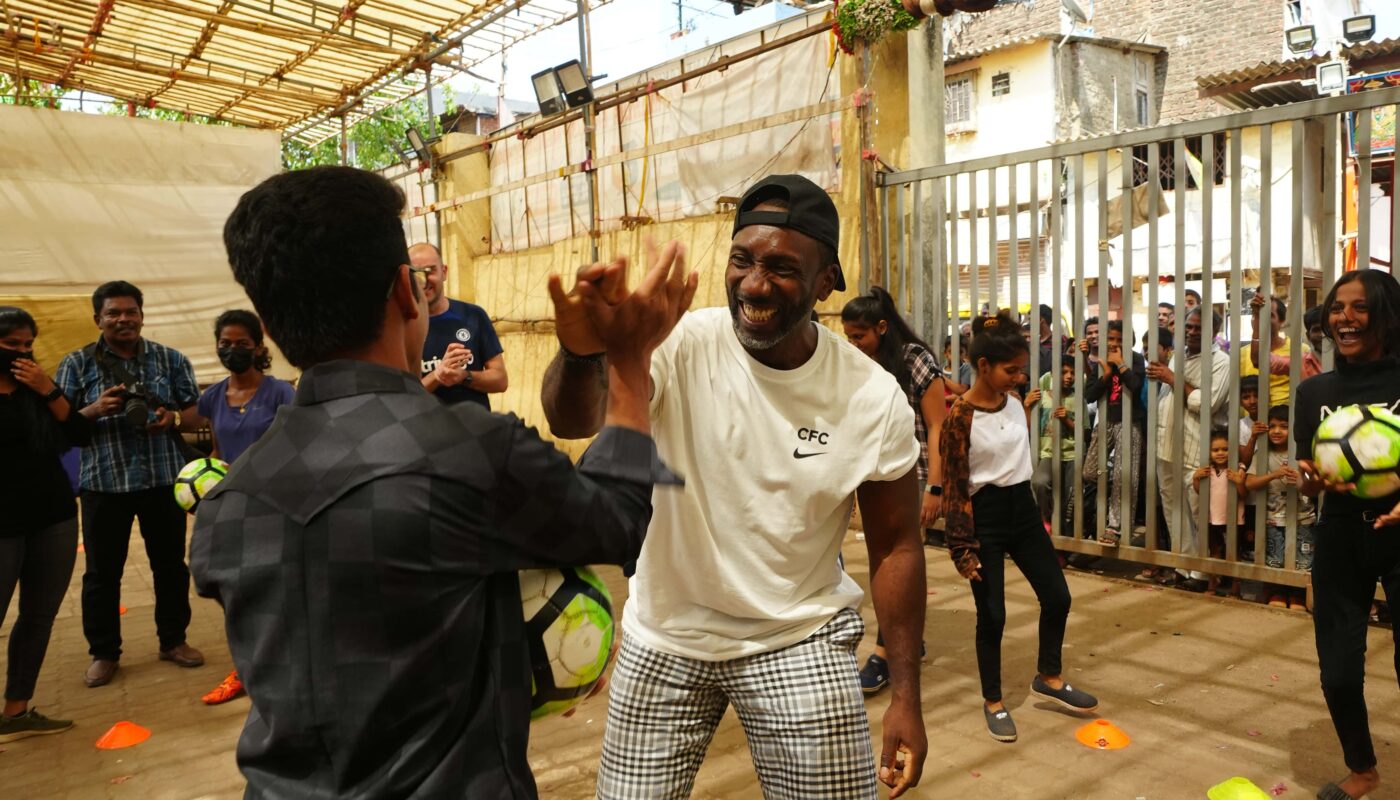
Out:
{"x": 569, "y": 630}
{"x": 197, "y": 479}
{"x": 1360, "y": 445}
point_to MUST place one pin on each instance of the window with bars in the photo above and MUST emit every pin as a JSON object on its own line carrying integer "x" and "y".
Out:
{"x": 1001, "y": 84}
{"x": 1169, "y": 170}
{"x": 958, "y": 103}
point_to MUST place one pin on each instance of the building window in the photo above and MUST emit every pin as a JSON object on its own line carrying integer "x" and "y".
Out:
{"x": 1169, "y": 170}
{"x": 958, "y": 103}
{"x": 1144, "y": 117}
{"x": 1294, "y": 9}
{"x": 1001, "y": 84}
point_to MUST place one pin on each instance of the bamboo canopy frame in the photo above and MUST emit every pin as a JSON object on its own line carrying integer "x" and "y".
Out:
{"x": 300, "y": 66}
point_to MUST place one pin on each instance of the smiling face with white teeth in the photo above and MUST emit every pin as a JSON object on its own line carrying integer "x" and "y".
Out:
{"x": 1348, "y": 321}
{"x": 774, "y": 279}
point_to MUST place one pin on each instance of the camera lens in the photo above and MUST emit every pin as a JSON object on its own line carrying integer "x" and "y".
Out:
{"x": 136, "y": 411}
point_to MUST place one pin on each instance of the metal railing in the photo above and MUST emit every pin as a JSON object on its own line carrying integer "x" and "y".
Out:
{"x": 1052, "y": 233}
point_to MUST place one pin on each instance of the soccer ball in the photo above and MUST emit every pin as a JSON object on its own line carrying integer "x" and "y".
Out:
{"x": 1360, "y": 445}
{"x": 569, "y": 630}
{"x": 196, "y": 480}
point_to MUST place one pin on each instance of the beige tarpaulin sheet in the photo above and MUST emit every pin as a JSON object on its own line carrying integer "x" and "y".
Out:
{"x": 87, "y": 198}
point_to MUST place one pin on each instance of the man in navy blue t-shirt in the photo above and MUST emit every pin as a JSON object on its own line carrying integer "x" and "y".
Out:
{"x": 462, "y": 358}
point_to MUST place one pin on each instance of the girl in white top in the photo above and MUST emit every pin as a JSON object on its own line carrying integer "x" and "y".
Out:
{"x": 992, "y": 514}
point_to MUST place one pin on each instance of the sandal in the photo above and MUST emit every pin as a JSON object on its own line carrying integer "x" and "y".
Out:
{"x": 1109, "y": 537}
{"x": 1333, "y": 792}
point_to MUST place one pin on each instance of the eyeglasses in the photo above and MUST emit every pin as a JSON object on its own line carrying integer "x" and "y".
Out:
{"x": 422, "y": 281}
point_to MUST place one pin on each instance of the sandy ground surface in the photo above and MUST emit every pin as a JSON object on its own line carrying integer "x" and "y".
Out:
{"x": 1207, "y": 689}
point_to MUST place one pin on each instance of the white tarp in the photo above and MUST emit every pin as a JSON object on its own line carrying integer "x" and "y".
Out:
{"x": 681, "y": 183}
{"x": 86, "y": 199}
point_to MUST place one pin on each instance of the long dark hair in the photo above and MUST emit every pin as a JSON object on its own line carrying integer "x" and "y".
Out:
{"x": 876, "y": 307}
{"x": 44, "y": 433}
{"x": 996, "y": 338}
{"x": 1382, "y": 306}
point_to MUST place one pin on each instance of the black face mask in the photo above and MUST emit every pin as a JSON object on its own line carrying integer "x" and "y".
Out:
{"x": 236, "y": 359}
{"x": 9, "y": 357}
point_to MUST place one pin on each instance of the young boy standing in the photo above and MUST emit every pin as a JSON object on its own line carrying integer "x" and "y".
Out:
{"x": 1282, "y": 478}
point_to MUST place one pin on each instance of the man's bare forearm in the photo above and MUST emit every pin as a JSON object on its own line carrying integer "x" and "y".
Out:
{"x": 574, "y": 396}
{"x": 897, "y": 587}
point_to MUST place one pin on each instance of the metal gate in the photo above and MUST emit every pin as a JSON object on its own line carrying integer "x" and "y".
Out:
{"x": 1237, "y": 203}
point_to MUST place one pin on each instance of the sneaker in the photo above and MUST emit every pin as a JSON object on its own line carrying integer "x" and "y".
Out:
{"x": 875, "y": 675}
{"x": 1067, "y": 696}
{"x": 229, "y": 689}
{"x": 999, "y": 724}
{"x": 30, "y": 723}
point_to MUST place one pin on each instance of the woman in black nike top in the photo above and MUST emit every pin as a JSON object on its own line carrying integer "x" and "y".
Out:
{"x": 1358, "y": 540}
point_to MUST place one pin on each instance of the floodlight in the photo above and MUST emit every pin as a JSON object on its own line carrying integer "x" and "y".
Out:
{"x": 1359, "y": 29}
{"x": 547, "y": 92}
{"x": 1331, "y": 77}
{"x": 577, "y": 91}
{"x": 419, "y": 145}
{"x": 1300, "y": 39}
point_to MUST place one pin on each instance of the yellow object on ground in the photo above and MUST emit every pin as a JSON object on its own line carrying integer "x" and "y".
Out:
{"x": 1236, "y": 789}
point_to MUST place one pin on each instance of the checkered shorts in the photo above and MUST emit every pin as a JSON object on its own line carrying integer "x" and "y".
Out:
{"x": 801, "y": 708}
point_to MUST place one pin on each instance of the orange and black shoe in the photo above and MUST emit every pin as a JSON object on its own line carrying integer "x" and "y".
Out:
{"x": 230, "y": 689}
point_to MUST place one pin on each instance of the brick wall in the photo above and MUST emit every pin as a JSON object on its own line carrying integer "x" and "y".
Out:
{"x": 1202, "y": 37}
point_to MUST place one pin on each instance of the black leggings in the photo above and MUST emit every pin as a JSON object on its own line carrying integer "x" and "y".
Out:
{"x": 41, "y": 564}
{"x": 1007, "y": 523}
{"x": 1350, "y": 557}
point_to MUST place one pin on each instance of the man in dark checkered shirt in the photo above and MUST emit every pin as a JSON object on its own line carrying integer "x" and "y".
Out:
{"x": 365, "y": 549}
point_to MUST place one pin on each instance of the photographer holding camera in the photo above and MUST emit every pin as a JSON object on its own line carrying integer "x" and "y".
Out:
{"x": 137, "y": 393}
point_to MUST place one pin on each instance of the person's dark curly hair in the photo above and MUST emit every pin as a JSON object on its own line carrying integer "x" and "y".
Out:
{"x": 249, "y": 322}
{"x": 317, "y": 251}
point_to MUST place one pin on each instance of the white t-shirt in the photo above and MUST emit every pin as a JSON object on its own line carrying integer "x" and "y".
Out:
{"x": 744, "y": 559}
{"x": 999, "y": 449}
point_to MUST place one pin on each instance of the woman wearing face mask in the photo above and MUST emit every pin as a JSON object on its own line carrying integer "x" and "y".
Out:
{"x": 1357, "y": 541}
{"x": 39, "y": 536}
{"x": 240, "y": 409}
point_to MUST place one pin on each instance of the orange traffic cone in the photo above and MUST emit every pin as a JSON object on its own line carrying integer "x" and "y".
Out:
{"x": 1102, "y": 735}
{"x": 121, "y": 609}
{"x": 123, "y": 734}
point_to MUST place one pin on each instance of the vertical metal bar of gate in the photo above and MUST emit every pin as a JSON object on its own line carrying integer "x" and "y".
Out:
{"x": 1296, "y": 271}
{"x": 880, "y": 269}
{"x": 1013, "y": 269}
{"x": 1363, "y": 189}
{"x": 1100, "y": 454}
{"x": 1180, "y": 522}
{"x": 900, "y": 282}
{"x": 972, "y": 305}
{"x": 954, "y": 262}
{"x": 1328, "y": 238}
{"x": 1150, "y": 443}
{"x": 918, "y": 281}
{"x": 1077, "y": 486}
{"x": 992, "y": 271}
{"x": 1126, "y": 460}
{"x": 1207, "y": 354}
{"x": 1236, "y": 295}
{"x": 1266, "y": 267}
{"x": 1033, "y": 245}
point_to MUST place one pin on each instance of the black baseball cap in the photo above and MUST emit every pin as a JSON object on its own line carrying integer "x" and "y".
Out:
{"x": 810, "y": 211}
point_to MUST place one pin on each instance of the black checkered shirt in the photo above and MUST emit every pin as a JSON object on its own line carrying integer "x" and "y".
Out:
{"x": 365, "y": 551}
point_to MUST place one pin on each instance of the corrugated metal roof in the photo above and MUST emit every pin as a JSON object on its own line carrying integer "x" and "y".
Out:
{"x": 1297, "y": 68}
{"x": 956, "y": 56}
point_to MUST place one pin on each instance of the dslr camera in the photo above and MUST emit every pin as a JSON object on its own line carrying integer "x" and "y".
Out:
{"x": 137, "y": 402}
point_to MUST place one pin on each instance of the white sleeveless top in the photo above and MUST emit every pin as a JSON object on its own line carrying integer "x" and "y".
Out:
{"x": 1000, "y": 449}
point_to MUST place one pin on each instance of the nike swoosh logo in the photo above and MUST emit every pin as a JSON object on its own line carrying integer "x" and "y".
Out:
{"x": 796, "y": 454}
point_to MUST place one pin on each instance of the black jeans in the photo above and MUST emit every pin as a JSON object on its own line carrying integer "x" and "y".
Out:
{"x": 1007, "y": 523}
{"x": 1349, "y": 557}
{"x": 41, "y": 564}
{"x": 106, "y": 534}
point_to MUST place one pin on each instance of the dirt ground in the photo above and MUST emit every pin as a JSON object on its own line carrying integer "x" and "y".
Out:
{"x": 1207, "y": 689}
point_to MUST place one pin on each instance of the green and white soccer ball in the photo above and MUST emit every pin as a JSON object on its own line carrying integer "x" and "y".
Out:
{"x": 1360, "y": 445}
{"x": 569, "y": 630}
{"x": 197, "y": 479}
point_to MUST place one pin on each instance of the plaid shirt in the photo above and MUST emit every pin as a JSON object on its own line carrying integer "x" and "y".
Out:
{"x": 365, "y": 552}
{"x": 923, "y": 369}
{"x": 121, "y": 458}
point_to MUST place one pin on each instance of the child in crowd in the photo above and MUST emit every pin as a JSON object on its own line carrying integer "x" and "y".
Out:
{"x": 1067, "y": 417}
{"x": 1281, "y": 481}
{"x": 1222, "y": 481}
{"x": 1252, "y": 429}
{"x": 1117, "y": 383}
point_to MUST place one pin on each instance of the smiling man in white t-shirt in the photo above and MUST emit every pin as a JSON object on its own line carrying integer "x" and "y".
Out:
{"x": 778, "y": 425}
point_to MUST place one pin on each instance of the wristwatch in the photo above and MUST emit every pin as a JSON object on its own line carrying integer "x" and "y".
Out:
{"x": 53, "y": 395}
{"x": 935, "y": 490}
